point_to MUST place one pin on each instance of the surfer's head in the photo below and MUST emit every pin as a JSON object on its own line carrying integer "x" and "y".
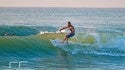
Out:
{"x": 69, "y": 23}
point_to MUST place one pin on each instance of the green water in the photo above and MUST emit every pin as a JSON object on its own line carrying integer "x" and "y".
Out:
{"x": 86, "y": 52}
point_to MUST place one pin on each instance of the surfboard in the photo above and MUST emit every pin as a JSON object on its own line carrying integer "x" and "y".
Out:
{"x": 57, "y": 42}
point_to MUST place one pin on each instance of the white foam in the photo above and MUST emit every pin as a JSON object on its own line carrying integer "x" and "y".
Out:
{"x": 42, "y": 32}
{"x": 45, "y": 32}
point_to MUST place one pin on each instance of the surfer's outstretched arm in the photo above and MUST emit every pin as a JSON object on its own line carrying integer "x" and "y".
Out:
{"x": 63, "y": 28}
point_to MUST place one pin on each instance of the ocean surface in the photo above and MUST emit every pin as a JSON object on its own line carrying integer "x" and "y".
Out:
{"x": 25, "y": 33}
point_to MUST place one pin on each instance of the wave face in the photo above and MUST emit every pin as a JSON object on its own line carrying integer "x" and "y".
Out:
{"x": 99, "y": 44}
{"x": 38, "y": 49}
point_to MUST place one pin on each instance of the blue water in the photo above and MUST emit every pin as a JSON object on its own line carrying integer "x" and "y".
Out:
{"x": 20, "y": 38}
{"x": 102, "y": 20}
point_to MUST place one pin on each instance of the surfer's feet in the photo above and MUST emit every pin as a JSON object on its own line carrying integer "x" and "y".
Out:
{"x": 62, "y": 42}
{"x": 66, "y": 42}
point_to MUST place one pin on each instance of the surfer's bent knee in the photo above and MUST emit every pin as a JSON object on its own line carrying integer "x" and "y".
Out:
{"x": 70, "y": 35}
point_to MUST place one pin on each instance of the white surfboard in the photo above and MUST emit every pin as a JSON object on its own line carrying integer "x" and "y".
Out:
{"x": 57, "y": 42}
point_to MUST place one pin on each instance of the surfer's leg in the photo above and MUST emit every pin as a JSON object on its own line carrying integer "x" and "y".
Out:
{"x": 65, "y": 39}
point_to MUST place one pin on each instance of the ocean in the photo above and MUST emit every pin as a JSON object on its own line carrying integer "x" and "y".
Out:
{"x": 25, "y": 33}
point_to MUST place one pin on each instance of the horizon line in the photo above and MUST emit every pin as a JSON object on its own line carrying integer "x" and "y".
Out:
{"x": 56, "y": 7}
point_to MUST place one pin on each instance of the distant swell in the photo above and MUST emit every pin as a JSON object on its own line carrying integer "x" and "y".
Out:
{"x": 24, "y": 30}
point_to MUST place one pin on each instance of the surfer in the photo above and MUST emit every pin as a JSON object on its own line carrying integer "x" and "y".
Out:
{"x": 71, "y": 34}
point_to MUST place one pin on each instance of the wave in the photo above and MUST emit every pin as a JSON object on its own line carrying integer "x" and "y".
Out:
{"x": 82, "y": 43}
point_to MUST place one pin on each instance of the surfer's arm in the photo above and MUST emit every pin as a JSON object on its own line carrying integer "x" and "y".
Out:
{"x": 63, "y": 28}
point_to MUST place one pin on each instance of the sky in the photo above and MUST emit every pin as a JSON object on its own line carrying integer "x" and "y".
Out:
{"x": 62, "y": 3}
